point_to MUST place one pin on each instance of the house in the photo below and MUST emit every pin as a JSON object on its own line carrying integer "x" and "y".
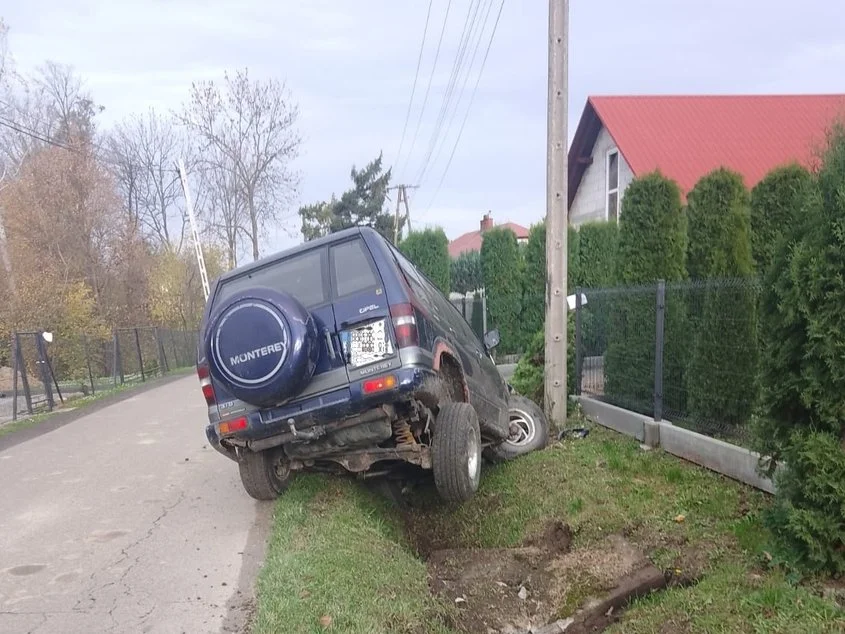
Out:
{"x": 472, "y": 241}
{"x": 685, "y": 137}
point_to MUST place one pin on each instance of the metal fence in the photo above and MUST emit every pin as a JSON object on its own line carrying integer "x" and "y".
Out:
{"x": 685, "y": 352}
{"x": 473, "y": 307}
{"x": 47, "y": 371}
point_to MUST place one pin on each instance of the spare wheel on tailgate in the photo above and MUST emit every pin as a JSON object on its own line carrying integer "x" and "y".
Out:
{"x": 262, "y": 344}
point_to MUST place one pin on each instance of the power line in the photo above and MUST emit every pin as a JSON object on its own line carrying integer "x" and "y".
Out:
{"x": 430, "y": 78}
{"x": 436, "y": 141}
{"x": 414, "y": 88}
{"x": 469, "y": 107}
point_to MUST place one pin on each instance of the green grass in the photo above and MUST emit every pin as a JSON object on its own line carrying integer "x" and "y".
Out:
{"x": 337, "y": 551}
{"x": 347, "y": 548}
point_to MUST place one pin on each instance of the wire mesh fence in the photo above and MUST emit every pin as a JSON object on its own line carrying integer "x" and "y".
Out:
{"x": 686, "y": 352}
{"x": 48, "y": 371}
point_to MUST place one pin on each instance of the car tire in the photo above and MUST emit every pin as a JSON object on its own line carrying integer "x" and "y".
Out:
{"x": 456, "y": 452}
{"x": 533, "y": 433}
{"x": 263, "y": 475}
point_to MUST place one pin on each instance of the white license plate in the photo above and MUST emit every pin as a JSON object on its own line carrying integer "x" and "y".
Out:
{"x": 368, "y": 344}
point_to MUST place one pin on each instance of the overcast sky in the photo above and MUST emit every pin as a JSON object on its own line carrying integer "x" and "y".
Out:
{"x": 350, "y": 66}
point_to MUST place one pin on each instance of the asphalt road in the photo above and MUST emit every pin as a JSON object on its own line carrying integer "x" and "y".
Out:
{"x": 126, "y": 521}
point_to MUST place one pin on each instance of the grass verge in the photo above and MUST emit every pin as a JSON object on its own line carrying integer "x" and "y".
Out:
{"x": 339, "y": 551}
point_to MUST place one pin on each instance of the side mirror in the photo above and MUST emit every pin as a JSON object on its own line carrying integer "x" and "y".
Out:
{"x": 491, "y": 339}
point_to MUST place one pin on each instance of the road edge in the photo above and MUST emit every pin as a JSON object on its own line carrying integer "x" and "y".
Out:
{"x": 61, "y": 418}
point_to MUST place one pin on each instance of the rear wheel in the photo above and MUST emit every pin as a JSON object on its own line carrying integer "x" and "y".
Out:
{"x": 264, "y": 474}
{"x": 529, "y": 430}
{"x": 456, "y": 452}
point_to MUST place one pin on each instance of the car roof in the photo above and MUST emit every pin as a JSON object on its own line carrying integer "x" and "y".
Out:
{"x": 300, "y": 248}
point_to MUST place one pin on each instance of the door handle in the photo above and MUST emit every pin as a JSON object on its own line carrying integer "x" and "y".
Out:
{"x": 330, "y": 344}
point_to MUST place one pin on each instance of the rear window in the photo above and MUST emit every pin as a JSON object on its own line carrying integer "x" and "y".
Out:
{"x": 352, "y": 269}
{"x": 300, "y": 276}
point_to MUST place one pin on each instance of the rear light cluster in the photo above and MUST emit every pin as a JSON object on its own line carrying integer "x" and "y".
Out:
{"x": 205, "y": 384}
{"x": 230, "y": 427}
{"x": 404, "y": 325}
{"x": 379, "y": 385}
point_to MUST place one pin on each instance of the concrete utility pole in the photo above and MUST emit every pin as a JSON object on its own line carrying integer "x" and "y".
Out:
{"x": 557, "y": 216}
{"x": 195, "y": 234}
{"x": 5, "y": 260}
{"x": 401, "y": 197}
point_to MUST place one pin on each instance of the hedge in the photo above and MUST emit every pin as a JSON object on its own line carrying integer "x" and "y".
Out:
{"x": 466, "y": 274}
{"x": 500, "y": 263}
{"x": 808, "y": 519}
{"x": 775, "y": 200}
{"x": 652, "y": 247}
{"x": 722, "y": 369}
{"x": 429, "y": 250}
{"x": 597, "y": 244}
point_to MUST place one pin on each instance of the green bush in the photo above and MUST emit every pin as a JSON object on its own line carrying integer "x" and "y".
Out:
{"x": 500, "y": 262}
{"x": 775, "y": 200}
{"x": 782, "y": 328}
{"x": 528, "y": 378}
{"x": 466, "y": 274}
{"x": 652, "y": 247}
{"x": 808, "y": 519}
{"x": 429, "y": 250}
{"x": 597, "y": 245}
{"x": 534, "y": 278}
{"x": 722, "y": 369}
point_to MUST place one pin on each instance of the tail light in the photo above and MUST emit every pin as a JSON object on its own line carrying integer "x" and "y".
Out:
{"x": 380, "y": 384}
{"x": 404, "y": 325}
{"x": 205, "y": 384}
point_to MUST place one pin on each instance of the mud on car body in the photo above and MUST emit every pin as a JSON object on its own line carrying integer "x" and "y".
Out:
{"x": 340, "y": 356}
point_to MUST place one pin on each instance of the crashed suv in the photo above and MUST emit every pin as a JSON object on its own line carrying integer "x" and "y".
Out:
{"x": 340, "y": 356}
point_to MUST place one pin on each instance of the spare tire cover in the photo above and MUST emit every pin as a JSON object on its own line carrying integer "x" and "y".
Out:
{"x": 262, "y": 345}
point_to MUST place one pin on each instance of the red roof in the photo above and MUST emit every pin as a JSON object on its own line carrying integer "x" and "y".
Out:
{"x": 472, "y": 241}
{"x": 685, "y": 137}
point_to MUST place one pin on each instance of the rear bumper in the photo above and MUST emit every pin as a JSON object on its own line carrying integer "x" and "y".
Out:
{"x": 304, "y": 415}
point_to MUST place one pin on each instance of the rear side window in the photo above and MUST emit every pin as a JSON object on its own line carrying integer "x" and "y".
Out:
{"x": 300, "y": 276}
{"x": 352, "y": 269}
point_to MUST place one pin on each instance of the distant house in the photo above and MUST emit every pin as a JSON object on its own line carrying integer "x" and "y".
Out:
{"x": 472, "y": 241}
{"x": 685, "y": 137}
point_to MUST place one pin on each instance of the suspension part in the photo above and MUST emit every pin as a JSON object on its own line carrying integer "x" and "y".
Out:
{"x": 402, "y": 433}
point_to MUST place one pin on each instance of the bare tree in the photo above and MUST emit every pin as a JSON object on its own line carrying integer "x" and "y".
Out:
{"x": 251, "y": 126}
{"x": 144, "y": 150}
{"x": 221, "y": 203}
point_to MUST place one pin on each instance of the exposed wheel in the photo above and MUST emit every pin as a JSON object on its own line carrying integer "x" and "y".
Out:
{"x": 456, "y": 452}
{"x": 264, "y": 475}
{"x": 529, "y": 430}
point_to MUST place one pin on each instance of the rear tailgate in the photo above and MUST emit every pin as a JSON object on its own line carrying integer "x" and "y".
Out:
{"x": 362, "y": 313}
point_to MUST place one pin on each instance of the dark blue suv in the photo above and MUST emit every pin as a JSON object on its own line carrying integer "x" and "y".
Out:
{"x": 340, "y": 356}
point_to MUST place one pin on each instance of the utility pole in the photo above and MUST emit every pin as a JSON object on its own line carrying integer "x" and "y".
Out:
{"x": 5, "y": 260}
{"x": 401, "y": 197}
{"x": 183, "y": 175}
{"x": 557, "y": 216}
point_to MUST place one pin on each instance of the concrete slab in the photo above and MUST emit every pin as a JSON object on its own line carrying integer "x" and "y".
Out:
{"x": 126, "y": 521}
{"x": 616, "y": 418}
{"x": 722, "y": 457}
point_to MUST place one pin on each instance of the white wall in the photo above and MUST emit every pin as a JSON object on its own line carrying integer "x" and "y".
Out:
{"x": 589, "y": 203}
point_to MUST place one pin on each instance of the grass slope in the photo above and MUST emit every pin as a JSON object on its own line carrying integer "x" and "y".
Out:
{"x": 340, "y": 551}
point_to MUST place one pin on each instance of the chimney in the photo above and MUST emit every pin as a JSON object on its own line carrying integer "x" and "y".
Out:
{"x": 486, "y": 222}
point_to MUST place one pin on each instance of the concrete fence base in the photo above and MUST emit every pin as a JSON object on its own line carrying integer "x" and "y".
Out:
{"x": 735, "y": 462}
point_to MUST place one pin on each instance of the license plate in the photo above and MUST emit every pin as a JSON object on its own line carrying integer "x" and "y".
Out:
{"x": 368, "y": 344}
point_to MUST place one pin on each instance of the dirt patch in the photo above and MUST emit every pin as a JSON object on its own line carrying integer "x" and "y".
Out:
{"x": 515, "y": 590}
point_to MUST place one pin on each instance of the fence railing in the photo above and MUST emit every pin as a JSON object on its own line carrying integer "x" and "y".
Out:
{"x": 685, "y": 351}
{"x": 47, "y": 371}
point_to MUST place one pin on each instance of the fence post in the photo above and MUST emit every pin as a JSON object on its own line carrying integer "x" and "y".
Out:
{"x": 117, "y": 361}
{"x": 87, "y": 350}
{"x": 483, "y": 311}
{"x": 579, "y": 353}
{"x": 45, "y": 374}
{"x": 162, "y": 358}
{"x": 658, "y": 350}
{"x": 140, "y": 358}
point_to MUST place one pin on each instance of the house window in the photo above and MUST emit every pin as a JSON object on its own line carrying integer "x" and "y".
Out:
{"x": 612, "y": 198}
